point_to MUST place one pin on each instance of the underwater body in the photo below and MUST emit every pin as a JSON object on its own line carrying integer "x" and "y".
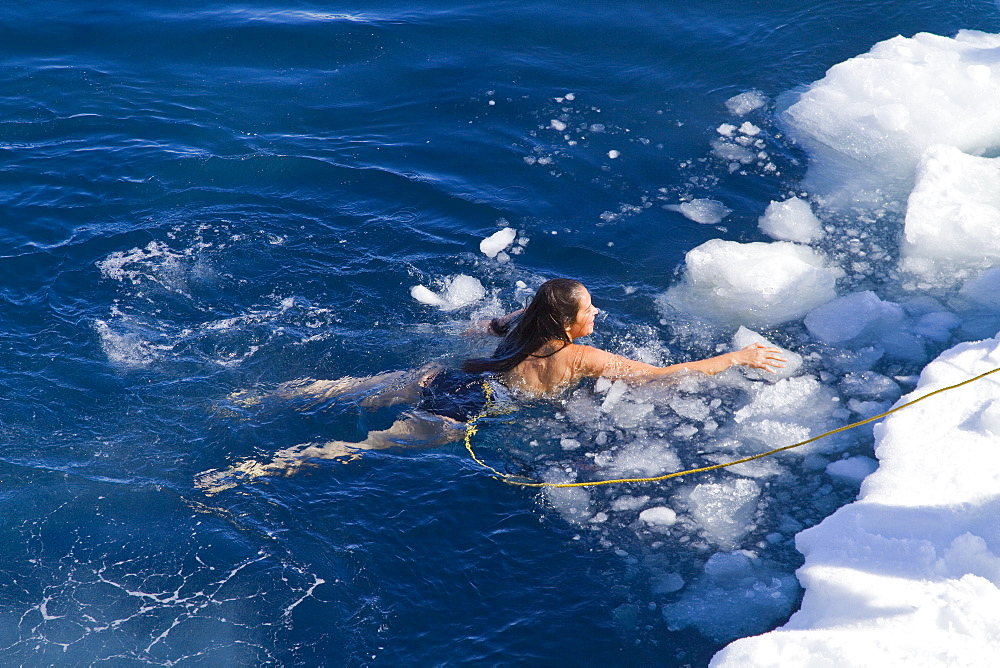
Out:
{"x": 204, "y": 202}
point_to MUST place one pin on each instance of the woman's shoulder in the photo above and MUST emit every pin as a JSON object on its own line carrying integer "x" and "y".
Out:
{"x": 588, "y": 360}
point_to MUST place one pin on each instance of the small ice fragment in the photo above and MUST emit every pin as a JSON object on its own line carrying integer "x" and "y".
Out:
{"x": 793, "y": 361}
{"x": 791, "y": 220}
{"x": 749, "y": 129}
{"x": 744, "y": 103}
{"x": 853, "y": 469}
{"x": 424, "y": 295}
{"x": 496, "y": 242}
{"x": 726, "y": 129}
{"x": 459, "y": 291}
{"x": 569, "y": 443}
{"x": 557, "y": 125}
{"x": 628, "y": 502}
{"x": 659, "y": 516}
{"x": 703, "y": 211}
{"x": 613, "y": 154}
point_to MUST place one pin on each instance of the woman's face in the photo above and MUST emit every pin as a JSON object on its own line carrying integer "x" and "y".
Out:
{"x": 584, "y": 323}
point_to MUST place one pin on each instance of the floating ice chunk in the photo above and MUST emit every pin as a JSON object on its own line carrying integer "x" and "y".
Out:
{"x": 791, "y": 220}
{"x": 569, "y": 443}
{"x": 756, "y": 284}
{"x": 867, "y": 409}
{"x": 461, "y": 290}
{"x": 726, "y": 130}
{"x": 640, "y": 458}
{"x": 793, "y": 361}
{"x": 629, "y": 416}
{"x": 703, "y": 211}
{"x": 952, "y": 216}
{"x": 773, "y": 434}
{"x": 870, "y": 385}
{"x": 733, "y": 152}
{"x": 800, "y": 401}
{"x": 733, "y": 598}
{"x": 616, "y": 391}
{"x": 660, "y": 516}
{"x": 853, "y": 469}
{"x": 936, "y": 325}
{"x": 724, "y": 510}
{"x": 744, "y": 103}
{"x": 848, "y": 318}
{"x": 749, "y": 129}
{"x": 557, "y": 125}
{"x": 629, "y": 502}
{"x": 613, "y": 154}
{"x": 667, "y": 583}
{"x": 572, "y": 503}
{"x": 867, "y": 122}
{"x": 984, "y": 290}
{"x": 497, "y": 242}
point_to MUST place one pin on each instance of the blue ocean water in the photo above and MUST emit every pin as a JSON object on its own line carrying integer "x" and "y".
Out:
{"x": 206, "y": 199}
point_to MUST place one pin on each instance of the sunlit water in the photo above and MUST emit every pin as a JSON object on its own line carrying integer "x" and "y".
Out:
{"x": 200, "y": 200}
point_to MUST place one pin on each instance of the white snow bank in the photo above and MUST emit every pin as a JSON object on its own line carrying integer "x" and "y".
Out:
{"x": 459, "y": 291}
{"x": 909, "y": 574}
{"x": 869, "y": 120}
{"x": 791, "y": 220}
{"x": 952, "y": 216}
{"x": 755, "y": 284}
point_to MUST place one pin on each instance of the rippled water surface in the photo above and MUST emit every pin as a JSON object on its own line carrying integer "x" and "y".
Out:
{"x": 200, "y": 200}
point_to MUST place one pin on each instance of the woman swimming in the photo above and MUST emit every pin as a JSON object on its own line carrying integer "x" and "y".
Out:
{"x": 537, "y": 357}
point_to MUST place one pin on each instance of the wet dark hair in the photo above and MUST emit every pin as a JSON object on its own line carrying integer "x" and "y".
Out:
{"x": 552, "y": 309}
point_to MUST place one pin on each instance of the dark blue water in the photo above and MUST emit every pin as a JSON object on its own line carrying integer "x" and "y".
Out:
{"x": 198, "y": 200}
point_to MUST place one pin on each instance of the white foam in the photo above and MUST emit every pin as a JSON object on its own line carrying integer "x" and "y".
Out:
{"x": 754, "y": 284}
{"x": 791, "y": 220}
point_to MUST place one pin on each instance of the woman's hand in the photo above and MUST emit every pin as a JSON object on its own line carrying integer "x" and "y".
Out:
{"x": 759, "y": 356}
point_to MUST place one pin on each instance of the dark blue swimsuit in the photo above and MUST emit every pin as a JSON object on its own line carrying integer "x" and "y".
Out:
{"x": 459, "y": 395}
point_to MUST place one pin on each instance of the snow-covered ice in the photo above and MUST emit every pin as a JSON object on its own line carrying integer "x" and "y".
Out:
{"x": 909, "y": 574}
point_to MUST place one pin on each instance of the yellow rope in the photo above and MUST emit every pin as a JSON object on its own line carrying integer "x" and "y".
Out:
{"x": 472, "y": 428}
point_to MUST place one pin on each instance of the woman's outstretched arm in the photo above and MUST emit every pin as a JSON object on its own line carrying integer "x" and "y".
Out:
{"x": 594, "y": 362}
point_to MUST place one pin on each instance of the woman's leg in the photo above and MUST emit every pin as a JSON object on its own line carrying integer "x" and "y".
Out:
{"x": 384, "y": 389}
{"x": 417, "y": 429}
